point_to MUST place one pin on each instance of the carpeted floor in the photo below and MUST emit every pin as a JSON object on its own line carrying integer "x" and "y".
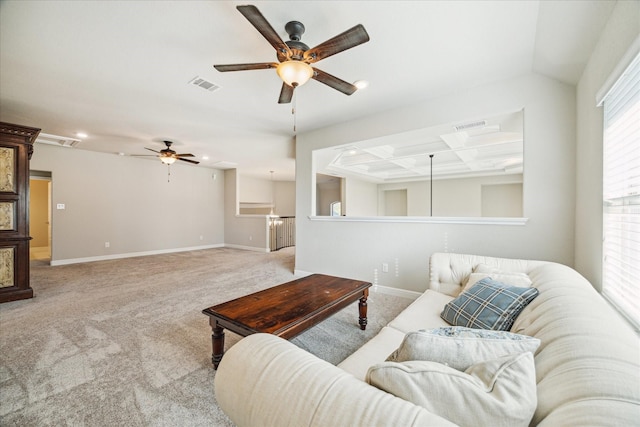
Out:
{"x": 124, "y": 342}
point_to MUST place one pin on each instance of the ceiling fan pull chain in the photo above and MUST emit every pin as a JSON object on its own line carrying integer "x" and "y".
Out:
{"x": 168, "y": 173}
{"x": 293, "y": 111}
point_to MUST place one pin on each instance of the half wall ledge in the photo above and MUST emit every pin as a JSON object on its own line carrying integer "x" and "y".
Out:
{"x": 423, "y": 219}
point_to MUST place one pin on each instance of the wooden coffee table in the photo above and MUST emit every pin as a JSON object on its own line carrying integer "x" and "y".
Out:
{"x": 286, "y": 310}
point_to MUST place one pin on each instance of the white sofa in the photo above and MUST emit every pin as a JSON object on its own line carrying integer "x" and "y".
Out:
{"x": 587, "y": 366}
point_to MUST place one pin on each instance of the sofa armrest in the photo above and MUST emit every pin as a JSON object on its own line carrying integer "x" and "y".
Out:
{"x": 267, "y": 381}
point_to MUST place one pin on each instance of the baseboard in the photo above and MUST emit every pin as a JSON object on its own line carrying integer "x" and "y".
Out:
{"x": 247, "y": 248}
{"x": 131, "y": 254}
{"x": 403, "y": 293}
{"x": 301, "y": 273}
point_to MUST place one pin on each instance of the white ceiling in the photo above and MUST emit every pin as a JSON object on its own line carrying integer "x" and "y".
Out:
{"x": 120, "y": 71}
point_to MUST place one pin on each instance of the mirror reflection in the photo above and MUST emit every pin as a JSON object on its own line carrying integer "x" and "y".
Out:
{"x": 468, "y": 169}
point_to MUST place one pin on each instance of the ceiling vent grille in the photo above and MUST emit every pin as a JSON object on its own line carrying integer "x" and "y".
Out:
{"x": 45, "y": 138}
{"x": 204, "y": 84}
{"x": 470, "y": 125}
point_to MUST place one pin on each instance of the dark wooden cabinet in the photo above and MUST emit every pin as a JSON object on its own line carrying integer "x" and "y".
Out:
{"x": 16, "y": 147}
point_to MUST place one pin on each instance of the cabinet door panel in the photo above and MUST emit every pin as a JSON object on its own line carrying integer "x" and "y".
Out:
{"x": 8, "y": 158}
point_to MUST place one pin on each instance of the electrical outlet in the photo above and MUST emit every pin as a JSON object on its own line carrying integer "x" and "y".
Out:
{"x": 107, "y": 244}
{"x": 201, "y": 237}
{"x": 385, "y": 267}
{"x": 250, "y": 237}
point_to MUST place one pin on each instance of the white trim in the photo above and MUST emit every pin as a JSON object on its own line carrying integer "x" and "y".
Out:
{"x": 403, "y": 293}
{"x": 247, "y": 248}
{"x": 625, "y": 61}
{"x": 131, "y": 255}
{"x": 424, "y": 219}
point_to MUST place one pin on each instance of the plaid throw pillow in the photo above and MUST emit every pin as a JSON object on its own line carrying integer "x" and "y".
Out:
{"x": 488, "y": 305}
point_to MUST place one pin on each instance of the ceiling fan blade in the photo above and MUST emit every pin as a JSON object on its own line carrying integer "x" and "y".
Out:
{"x": 187, "y": 160}
{"x": 183, "y": 155}
{"x": 350, "y": 38}
{"x": 333, "y": 81}
{"x": 243, "y": 67}
{"x": 261, "y": 24}
{"x": 286, "y": 93}
{"x": 150, "y": 149}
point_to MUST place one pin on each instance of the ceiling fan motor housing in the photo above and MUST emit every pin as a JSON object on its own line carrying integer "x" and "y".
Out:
{"x": 295, "y": 29}
{"x": 168, "y": 150}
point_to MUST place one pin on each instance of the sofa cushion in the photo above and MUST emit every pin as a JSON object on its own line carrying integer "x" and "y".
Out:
{"x": 497, "y": 392}
{"x": 372, "y": 352}
{"x": 424, "y": 312}
{"x": 459, "y": 347}
{"x": 488, "y": 304}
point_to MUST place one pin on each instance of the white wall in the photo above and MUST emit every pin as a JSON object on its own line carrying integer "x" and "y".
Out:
{"x": 129, "y": 203}
{"x": 326, "y": 194}
{"x": 254, "y": 190}
{"x": 285, "y": 198}
{"x": 451, "y": 197}
{"x": 265, "y": 192}
{"x": 621, "y": 30}
{"x": 242, "y": 231}
{"x": 361, "y": 198}
{"x": 356, "y": 249}
{"x": 501, "y": 200}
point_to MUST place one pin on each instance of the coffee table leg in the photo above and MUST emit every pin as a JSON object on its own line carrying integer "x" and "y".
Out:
{"x": 362, "y": 306}
{"x": 217, "y": 340}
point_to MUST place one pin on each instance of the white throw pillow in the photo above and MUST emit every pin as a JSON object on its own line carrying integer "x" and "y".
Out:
{"x": 485, "y": 270}
{"x": 520, "y": 280}
{"x": 460, "y": 347}
{"x": 497, "y": 392}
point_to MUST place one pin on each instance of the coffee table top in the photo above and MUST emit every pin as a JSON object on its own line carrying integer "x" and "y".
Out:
{"x": 288, "y": 309}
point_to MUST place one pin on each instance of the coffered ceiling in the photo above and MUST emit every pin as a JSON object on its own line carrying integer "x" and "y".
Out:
{"x": 123, "y": 71}
{"x": 487, "y": 147}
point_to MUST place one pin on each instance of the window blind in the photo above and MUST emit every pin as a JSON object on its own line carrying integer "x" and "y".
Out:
{"x": 621, "y": 194}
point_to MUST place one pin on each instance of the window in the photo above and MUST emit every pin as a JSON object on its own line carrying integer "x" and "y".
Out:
{"x": 336, "y": 208}
{"x": 621, "y": 193}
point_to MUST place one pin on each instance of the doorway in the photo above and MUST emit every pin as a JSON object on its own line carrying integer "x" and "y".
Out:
{"x": 40, "y": 215}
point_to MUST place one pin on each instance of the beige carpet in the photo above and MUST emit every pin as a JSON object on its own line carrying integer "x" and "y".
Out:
{"x": 124, "y": 342}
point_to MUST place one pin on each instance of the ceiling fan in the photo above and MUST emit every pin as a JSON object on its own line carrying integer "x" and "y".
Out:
{"x": 294, "y": 56}
{"x": 168, "y": 156}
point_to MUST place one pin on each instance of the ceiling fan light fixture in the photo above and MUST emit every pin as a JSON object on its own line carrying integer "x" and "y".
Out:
{"x": 361, "y": 84}
{"x": 294, "y": 73}
{"x": 167, "y": 160}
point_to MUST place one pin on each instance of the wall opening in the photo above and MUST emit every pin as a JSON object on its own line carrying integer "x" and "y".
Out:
{"x": 40, "y": 215}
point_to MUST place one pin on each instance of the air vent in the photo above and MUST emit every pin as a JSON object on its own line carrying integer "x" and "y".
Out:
{"x": 204, "y": 84}
{"x": 45, "y": 138}
{"x": 470, "y": 125}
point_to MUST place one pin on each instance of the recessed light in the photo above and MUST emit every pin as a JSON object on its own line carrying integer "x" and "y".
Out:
{"x": 205, "y": 157}
{"x": 81, "y": 135}
{"x": 361, "y": 84}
